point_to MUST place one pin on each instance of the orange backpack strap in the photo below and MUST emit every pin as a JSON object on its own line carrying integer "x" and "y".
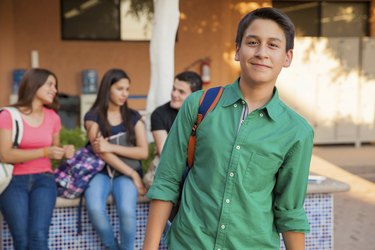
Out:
{"x": 207, "y": 102}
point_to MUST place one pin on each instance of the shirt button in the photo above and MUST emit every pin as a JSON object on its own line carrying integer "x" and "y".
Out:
{"x": 223, "y": 227}
{"x": 227, "y": 200}
{"x": 235, "y": 105}
{"x": 231, "y": 174}
{"x": 261, "y": 114}
{"x": 238, "y": 147}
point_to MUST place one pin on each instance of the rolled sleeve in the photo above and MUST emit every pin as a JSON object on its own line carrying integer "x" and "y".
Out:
{"x": 291, "y": 186}
{"x": 291, "y": 220}
{"x": 164, "y": 190}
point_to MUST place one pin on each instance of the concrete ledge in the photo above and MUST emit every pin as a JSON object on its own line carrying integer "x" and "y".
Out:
{"x": 327, "y": 186}
{"x": 324, "y": 187}
{"x": 62, "y": 202}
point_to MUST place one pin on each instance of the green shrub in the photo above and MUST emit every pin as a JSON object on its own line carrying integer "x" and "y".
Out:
{"x": 151, "y": 154}
{"x": 74, "y": 137}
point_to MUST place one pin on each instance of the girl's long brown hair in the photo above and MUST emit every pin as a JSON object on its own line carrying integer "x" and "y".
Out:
{"x": 100, "y": 106}
{"x": 30, "y": 83}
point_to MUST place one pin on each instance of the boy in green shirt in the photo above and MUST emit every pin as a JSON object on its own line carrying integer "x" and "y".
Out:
{"x": 252, "y": 156}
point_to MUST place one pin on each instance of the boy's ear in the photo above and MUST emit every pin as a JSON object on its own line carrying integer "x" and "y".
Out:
{"x": 288, "y": 58}
{"x": 236, "y": 56}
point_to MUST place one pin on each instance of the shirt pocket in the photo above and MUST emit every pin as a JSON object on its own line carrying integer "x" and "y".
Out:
{"x": 260, "y": 172}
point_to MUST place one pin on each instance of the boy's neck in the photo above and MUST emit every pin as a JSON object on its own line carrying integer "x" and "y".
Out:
{"x": 256, "y": 95}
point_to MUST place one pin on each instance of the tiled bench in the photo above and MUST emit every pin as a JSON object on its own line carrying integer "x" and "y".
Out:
{"x": 63, "y": 231}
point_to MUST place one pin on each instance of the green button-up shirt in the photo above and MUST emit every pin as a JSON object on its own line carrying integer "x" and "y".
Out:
{"x": 248, "y": 182}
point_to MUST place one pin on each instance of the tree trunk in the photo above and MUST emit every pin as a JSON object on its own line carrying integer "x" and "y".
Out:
{"x": 166, "y": 20}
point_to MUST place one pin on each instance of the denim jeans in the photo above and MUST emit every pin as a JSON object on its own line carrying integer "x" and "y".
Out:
{"x": 27, "y": 206}
{"x": 125, "y": 195}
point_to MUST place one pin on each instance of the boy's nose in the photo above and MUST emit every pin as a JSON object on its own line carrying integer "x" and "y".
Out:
{"x": 261, "y": 51}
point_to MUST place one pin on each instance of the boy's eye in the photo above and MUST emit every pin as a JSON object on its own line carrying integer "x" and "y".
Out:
{"x": 252, "y": 43}
{"x": 274, "y": 45}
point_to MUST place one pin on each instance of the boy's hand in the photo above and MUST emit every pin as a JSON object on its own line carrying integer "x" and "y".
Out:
{"x": 68, "y": 151}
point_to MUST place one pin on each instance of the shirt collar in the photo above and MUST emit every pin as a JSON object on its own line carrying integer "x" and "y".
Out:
{"x": 232, "y": 94}
{"x": 274, "y": 108}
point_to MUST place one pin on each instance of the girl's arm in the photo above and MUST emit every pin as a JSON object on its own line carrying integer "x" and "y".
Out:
{"x": 123, "y": 168}
{"x": 92, "y": 129}
{"x": 137, "y": 152}
{"x": 111, "y": 159}
{"x": 14, "y": 155}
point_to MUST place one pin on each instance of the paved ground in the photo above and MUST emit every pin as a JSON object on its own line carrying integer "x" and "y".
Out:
{"x": 354, "y": 211}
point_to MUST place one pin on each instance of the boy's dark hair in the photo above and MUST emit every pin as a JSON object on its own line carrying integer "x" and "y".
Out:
{"x": 269, "y": 14}
{"x": 192, "y": 78}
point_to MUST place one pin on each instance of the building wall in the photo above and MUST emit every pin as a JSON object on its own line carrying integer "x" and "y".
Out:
{"x": 372, "y": 18}
{"x": 205, "y": 31}
{"x": 7, "y": 48}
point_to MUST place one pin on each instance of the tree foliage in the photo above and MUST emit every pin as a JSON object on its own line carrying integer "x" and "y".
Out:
{"x": 139, "y": 8}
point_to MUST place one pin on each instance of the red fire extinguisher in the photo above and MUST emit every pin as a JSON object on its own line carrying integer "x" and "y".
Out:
{"x": 206, "y": 71}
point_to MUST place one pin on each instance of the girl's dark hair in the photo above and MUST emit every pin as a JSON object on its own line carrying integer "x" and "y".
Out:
{"x": 100, "y": 106}
{"x": 30, "y": 83}
{"x": 273, "y": 14}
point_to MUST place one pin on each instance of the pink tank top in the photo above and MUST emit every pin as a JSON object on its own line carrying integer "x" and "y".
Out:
{"x": 34, "y": 138}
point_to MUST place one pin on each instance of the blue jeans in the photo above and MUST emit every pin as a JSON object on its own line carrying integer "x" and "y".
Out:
{"x": 125, "y": 195}
{"x": 27, "y": 206}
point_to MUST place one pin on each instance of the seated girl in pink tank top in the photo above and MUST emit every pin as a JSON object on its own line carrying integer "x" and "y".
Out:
{"x": 28, "y": 201}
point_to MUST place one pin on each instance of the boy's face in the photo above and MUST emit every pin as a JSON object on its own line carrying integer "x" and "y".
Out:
{"x": 262, "y": 52}
{"x": 180, "y": 91}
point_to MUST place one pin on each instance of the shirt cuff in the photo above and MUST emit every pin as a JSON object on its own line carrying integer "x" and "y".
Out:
{"x": 294, "y": 220}
{"x": 158, "y": 191}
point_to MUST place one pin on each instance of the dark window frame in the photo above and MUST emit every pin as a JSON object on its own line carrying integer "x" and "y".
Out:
{"x": 81, "y": 36}
{"x": 320, "y": 10}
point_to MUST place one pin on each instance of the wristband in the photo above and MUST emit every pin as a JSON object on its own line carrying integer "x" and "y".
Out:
{"x": 45, "y": 152}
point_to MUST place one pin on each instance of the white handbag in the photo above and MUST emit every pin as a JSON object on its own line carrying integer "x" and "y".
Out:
{"x": 6, "y": 169}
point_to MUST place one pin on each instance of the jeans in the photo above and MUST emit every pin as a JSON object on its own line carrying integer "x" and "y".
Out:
{"x": 27, "y": 206}
{"x": 125, "y": 195}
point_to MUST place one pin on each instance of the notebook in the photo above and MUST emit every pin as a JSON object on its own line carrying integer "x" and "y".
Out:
{"x": 120, "y": 139}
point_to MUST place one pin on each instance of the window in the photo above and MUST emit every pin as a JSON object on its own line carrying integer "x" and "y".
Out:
{"x": 104, "y": 20}
{"x": 344, "y": 19}
{"x": 327, "y": 18}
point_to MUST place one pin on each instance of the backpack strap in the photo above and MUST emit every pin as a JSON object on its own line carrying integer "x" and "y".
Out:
{"x": 79, "y": 217}
{"x": 17, "y": 125}
{"x": 207, "y": 102}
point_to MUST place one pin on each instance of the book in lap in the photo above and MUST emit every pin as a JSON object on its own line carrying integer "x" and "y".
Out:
{"x": 121, "y": 139}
